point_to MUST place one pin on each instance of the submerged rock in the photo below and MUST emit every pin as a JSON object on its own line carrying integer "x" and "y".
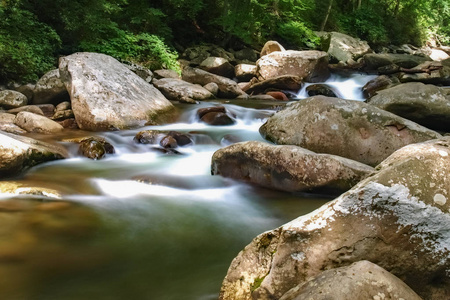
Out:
{"x": 361, "y": 280}
{"x": 105, "y": 95}
{"x": 398, "y": 218}
{"x": 346, "y": 128}
{"x": 427, "y": 105}
{"x": 95, "y": 148}
{"x": 287, "y": 168}
{"x": 18, "y": 153}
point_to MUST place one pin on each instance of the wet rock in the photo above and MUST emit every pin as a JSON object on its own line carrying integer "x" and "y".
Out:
{"x": 311, "y": 66}
{"x": 245, "y": 72}
{"x": 63, "y": 115}
{"x": 376, "y": 84}
{"x": 271, "y": 46}
{"x": 95, "y": 148}
{"x": 50, "y": 89}
{"x": 287, "y": 168}
{"x": 217, "y": 119}
{"x": 18, "y": 153}
{"x": 321, "y": 89}
{"x": 278, "y": 95}
{"x": 219, "y": 66}
{"x": 147, "y": 137}
{"x": 363, "y": 278}
{"x": 182, "y": 139}
{"x": 36, "y": 123}
{"x": 29, "y": 108}
{"x": 175, "y": 89}
{"x": 69, "y": 123}
{"x": 227, "y": 87}
{"x": 159, "y": 74}
{"x": 285, "y": 82}
{"x": 105, "y": 95}
{"x": 342, "y": 47}
{"x": 168, "y": 142}
{"x": 346, "y": 128}
{"x": 374, "y": 61}
{"x": 14, "y": 188}
{"x": 424, "y": 104}
{"x": 11, "y": 99}
{"x": 398, "y": 218}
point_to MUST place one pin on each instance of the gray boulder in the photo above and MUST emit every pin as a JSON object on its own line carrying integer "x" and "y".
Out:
{"x": 428, "y": 72}
{"x": 284, "y": 82}
{"x": 346, "y": 128}
{"x": 36, "y": 123}
{"x": 11, "y": 99}
{"x": 105, "y": 95}
{"x": 424, "y": 104}
{"x": 175, "y": 89}
{"x": 18, "y": 153}
{"x": 287, "y": 168}
{"x": 398, "y": 218}
{"x": 227, "y": 87}
{"x": 50, "y": 89}
{"x": 219, "y": 66}
{"x": 310, "y": 65}
{"x": 342, "y": 47}
{"x": 373, "y": 61}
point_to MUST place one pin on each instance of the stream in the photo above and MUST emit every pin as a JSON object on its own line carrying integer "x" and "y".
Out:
{"x": 142, "y": 224}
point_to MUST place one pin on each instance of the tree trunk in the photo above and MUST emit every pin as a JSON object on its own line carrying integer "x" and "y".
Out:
{"x": 322, "y": 27}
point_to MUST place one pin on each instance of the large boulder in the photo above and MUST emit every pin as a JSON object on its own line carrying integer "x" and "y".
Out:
{"x": 219, "y": 66}
{"x": 424, "y": 104}
{"x": 346, "y": 128}
{"x": 310, "y": 65}
{"x": 18, "y": 153}
{"x": 175, "y": 89}
{"x": 373, "y": 61}
{"x": 360, "y": 280}
{"x": 105, "y": 95}
{"x": 36, "y": 123}
{"x": 50, "y": 89}
{"x": 287, "y": 168}
{"x": 342, "y": 47}
{"x": 285, "y": 82}
{"x": 227, "y": 87}
{"x": 398, "y": 218}
{"x": 245, "y": 72}
{"x": 428, "y": 72}
{"x": 12, "y": 99}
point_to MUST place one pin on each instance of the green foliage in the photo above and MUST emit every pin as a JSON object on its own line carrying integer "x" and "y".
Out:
{"x": 27, "y": 46}
{"x": 298, "y": 34}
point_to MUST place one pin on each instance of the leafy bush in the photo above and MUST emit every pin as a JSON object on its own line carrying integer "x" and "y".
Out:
{"x": 298, "y": 34}
{"x": 27, "y": 47}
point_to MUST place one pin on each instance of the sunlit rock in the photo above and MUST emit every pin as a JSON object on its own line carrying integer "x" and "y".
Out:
{"x": 18, "y": 153}
{"x": 12, "y": 99}
{"x": 105, "y": 95}
{"x": 424, "y": 104}
{"x": 271, "y": 46}
{"x": 245, "y": 72}
{"x": 311, "y": 66}
{"x": 287, "y": 168}
{"x": 346, "y": 128}
{"x": 219, "y": 66}
{"x": 342, "y": 47}
{"x": 398, "y": 218}
{"x": 175, "y": 89}
{"x": 362, "y": 280}
{"x": 36, "y": 123}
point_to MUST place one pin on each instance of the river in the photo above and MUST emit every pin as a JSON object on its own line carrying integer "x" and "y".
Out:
{"x": 142, "y": 224}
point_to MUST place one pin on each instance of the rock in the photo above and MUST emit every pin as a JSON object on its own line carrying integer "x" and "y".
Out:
{"x": 147, "y": 136}
{"x": 362, "y": 279}
{"x": 27, "y": 90}
{"x": 398, "y": 218}
{"x": 219, "y": 66}
{"x": 12, "y": 99}
{"x": 212, "y": 87}
{"x": 285, "y": 82}
{"x": 18, "y": 153}
{"x": 245, "y": 72}
{"x": 166, "y": 74}
{"x": 311, "y": 66}
{"x": 168, "y": 142}
{"x": 50, "y": 89}
{"x": 346, "y": 128}
{"x": 428, "y": 72}
{"x": 227, "y": 87}
{"x": 438, "y": 55}
{"x": 342, "y": 47}
{"x": 197, "y": 54}
{"x": 216, "y": 115}
{"x": 246, "y": 54}
{"x": 7, "y": 124}
{"x": 6, "y": 118}
{"x": 271, "y": 46}
{"x": 321, "y": 89}
{"x": 63, "y": 106}
{"x": 15, "y": 188}
{"x": 105, "y": 95}
{"x": 36, "y": 123}
{"x": 182, "y": 139}
{"x": 68, "y": 123}
{"x": 287, "y": 168}
{"x": 29, "y": 108}
{"x": 61, "y": 115}
{"x": 95, "y": 148}
{"x": 175, "y": 89}
{"x": 140, "y": 71}
{"x": 374, "y": 61}
{"x": 47, "y": 109}
{"x": 425, "y": 104}
{"x": 376, "y": 84}
{"x": 278, "y": 95}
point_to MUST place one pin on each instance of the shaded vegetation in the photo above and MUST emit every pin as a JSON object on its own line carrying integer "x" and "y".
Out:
{"x": 33, "y": 33}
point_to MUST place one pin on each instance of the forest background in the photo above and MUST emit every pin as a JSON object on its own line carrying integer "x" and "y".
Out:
{"x": 34, "y": 33}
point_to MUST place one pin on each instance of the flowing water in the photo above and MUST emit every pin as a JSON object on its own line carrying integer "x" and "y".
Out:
{"x": 140, "y": 224}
